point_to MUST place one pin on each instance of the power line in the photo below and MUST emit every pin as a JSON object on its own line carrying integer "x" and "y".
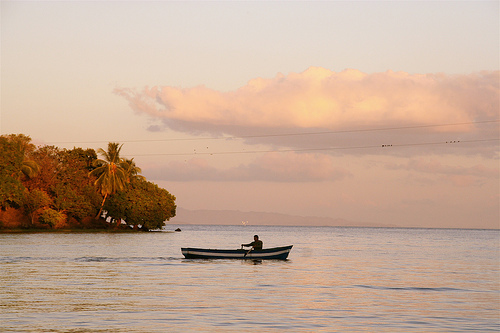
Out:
{"x": 371, "y": 129}
{"x": 289, "y": 134}
{"x": 320, "y": 149}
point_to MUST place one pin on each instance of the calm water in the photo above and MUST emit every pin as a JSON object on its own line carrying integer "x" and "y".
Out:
{"x": 336, "y": 280}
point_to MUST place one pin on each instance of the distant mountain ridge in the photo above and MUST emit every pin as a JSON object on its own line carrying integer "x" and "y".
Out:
{"x": 235, "y": 217}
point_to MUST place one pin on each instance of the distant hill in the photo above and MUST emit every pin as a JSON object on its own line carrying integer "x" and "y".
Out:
{"x": 234, "y": 217}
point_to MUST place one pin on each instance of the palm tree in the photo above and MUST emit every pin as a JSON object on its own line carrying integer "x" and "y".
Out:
{"x": 111, "y": 177}
{"x": 131, "y": 169}
{"x": 28, "y": 167}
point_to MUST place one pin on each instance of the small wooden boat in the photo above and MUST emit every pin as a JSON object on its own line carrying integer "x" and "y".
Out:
{"x": 280, "y": 253}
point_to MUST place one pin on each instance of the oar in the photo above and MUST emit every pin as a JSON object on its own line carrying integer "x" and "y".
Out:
{"x": 248, "y": 252}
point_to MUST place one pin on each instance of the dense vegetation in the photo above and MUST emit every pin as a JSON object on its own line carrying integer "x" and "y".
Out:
{"x": 51, "y": 188}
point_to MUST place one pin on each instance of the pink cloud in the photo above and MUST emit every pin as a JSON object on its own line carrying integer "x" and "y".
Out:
{"x": 320, "y": 100}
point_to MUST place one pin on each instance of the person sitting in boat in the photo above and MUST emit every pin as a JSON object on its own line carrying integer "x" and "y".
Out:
{"x": 256, "y": 244}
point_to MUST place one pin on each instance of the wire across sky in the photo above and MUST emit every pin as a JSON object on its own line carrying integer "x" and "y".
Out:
{"x": 288, "y": 134}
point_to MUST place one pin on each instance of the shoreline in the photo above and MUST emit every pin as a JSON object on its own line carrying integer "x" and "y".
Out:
{"x": 38, "y": 231}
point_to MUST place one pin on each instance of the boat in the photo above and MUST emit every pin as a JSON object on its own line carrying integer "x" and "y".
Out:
{"x": 280, "y": 253}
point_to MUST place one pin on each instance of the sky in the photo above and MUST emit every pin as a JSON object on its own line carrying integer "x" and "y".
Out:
{"x": 383, "y": 112}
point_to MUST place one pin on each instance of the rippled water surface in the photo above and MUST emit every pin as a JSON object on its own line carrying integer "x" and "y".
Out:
{"x": 336, "y": 280}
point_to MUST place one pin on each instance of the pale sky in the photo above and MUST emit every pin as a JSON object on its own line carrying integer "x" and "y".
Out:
{"x": 369, "y": 111}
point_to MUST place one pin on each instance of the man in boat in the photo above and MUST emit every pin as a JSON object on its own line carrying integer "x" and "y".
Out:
{"x": 256, "y": 244}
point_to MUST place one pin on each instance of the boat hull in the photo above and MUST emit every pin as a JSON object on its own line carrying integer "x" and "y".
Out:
{"x": 280, "y": 253}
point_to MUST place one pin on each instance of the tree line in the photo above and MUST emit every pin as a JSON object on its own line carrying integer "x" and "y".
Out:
{"x": 48, "y": 187}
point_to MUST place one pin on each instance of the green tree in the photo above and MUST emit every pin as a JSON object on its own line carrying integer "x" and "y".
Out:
{"x": 64, "y": 177}
{"x": 15, "y": 151}
{"x": 111, "y": 177}
{"x": 131, "y": 169}
{"x": 11, "y": 192}
{"x": 84, "y": 156}
{"x": 23, "y": 145}
{"x": 143, "y": 203}
{"x": 35, "y": 201}
{"x": 11, "y": 188}
{"x": 73, "y": 191}
{"x": 48, "y": 160}
{"x": 50, "y": 217}
{"x": 56, "y": 187}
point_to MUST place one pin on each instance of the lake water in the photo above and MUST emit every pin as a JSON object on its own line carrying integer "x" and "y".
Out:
{"x": 335, "y": 280}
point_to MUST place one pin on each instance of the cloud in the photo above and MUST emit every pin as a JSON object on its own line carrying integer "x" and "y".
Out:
{"x": 322, "y": 100}
{"x": 270, "y": 167}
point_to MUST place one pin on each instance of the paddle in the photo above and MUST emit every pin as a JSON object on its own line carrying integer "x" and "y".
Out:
{"x": 247, "y": 251}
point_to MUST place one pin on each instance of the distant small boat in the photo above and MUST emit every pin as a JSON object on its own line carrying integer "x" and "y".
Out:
{"x": 280, "y": 253}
